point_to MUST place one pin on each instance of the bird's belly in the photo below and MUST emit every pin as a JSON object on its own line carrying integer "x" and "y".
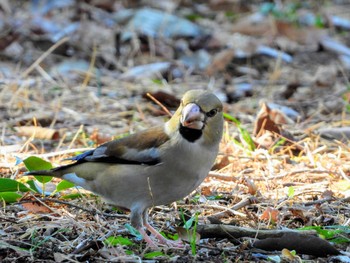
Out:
{"x": 176, "y": 183}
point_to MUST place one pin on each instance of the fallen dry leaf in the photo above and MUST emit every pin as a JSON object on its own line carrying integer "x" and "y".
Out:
{"x": 38, "y": 132}
{"x": 36, "y": 208}
{"x": 270, "y": 214}
{"x": 220, "y": 61}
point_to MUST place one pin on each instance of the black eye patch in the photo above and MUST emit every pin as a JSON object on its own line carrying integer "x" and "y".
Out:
{"x": 211, "y": 113}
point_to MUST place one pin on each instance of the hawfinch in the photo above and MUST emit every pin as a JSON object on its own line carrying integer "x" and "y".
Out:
{"x": 153, "y": 167}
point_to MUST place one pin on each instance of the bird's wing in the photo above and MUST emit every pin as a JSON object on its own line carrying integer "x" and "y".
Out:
{"x": 138, "y": 148}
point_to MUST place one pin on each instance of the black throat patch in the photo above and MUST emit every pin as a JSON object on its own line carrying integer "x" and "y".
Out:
{"x": 190, "y": 135}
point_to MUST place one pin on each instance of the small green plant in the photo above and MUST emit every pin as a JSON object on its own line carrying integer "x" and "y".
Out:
{"x": 157, "y": 81}
{"x": 194, "y": 17}
{"x": 133, "y": 231}
{"x": 118, "y": 240}
{"x": 154, "y": 254}
{"x": 337, "y": 234}
{"x": 291, "y": 192}
{"x": 319, "y": 21}
{"x": 12, "y": 190}
{"x": 191, "y": 229}
{"x": 244, "y": 133}
{"x": 279, "y": 143}
{"x": 33, "y": 163}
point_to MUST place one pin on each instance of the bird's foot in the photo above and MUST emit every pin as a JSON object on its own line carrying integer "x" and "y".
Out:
{"x": 172, "y": 243}
{"x": 161, "y": 241}
{"x": 148, "y": 239}
{"x": 164, "y": 241}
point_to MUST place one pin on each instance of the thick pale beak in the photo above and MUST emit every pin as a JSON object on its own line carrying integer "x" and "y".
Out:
{"x": 192, "y": 117}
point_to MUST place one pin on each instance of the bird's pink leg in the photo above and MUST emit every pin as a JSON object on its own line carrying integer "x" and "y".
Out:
{"x": 147, "y": 238}
{"x": 137, "y": 219}
{"x": 161, "y": 239}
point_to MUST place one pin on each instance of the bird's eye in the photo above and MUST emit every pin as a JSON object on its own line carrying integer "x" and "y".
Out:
{"x": 212, "y": 113}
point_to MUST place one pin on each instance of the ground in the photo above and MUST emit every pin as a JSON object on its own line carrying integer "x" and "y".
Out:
{"x": 71, "y": 79}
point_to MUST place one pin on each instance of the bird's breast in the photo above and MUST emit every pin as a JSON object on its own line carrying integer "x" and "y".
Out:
{"x": 178, "y": 175}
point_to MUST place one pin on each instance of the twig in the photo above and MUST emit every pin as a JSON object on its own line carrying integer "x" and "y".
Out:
{"x": 237, "y": 206}
{"x": 320, "y": 201}
{"x": 315, "y": 171}
{"x": 91, "y": 67}
{"x": 222, "y": 176}
{"x": 159, "y": 103}
{"x": 226, "y": 209}
{"x": 43, "y": 56}
{"x": 7, "y": 219}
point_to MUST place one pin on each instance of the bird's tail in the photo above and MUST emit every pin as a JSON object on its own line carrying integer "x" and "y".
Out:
{"x": 42, "y": 172}
{"x": 56, "y": 172}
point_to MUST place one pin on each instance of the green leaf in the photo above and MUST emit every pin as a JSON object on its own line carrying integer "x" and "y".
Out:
{"x": 157, "y": 81}
{"x": 194, "y": 236}
{"x": 118, "y": 240}
{"x": 133, "y": 231}
{"x": 319, "y": 21}
{"x": 247, "y": 138}
{"x": 193, "y": 17}
{"x": 34, "y": 163}
{"x": 215, "y": 197}
{"x": 323, "y": 233}
{"x": 318, "y": 229}
{"x": 74, "y": 196}
{"x": 244, "y": 133}
{"x": 291, "y": 191}
{"x": 63, "y": 185}
{"x": 237, "y": 143}
{"x": 33, "y": 186}
{"x": 170, "y": 236}
{"x": 341, "y": 229}
{"x": 43, "y": 179}
{"x": 9, "y": 197}
{"x": 231, "y": 118}
{"x": 154, "y": 254}
{"x": 340, "y": 240}
{"x": 9, "y": 185}
{"x": 189, "y": 222}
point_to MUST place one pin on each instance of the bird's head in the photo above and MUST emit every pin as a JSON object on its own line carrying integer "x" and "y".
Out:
{"x": 199, "y": 115}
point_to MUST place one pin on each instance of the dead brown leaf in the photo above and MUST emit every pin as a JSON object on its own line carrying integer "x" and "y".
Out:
{"x": 270, "y": 214}
{"x": 38, "y": 132}
{"x": 36, "y": 208}
{"x": 220, "y": 61}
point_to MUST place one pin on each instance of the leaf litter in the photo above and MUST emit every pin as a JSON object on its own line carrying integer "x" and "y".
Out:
{"x": 74, "y": 75}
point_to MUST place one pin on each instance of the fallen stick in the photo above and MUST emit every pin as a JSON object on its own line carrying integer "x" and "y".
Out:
{"x": 228, "y": 231}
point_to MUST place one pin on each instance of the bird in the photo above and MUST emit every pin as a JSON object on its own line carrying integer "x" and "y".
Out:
{"x": 155, "y": 166}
